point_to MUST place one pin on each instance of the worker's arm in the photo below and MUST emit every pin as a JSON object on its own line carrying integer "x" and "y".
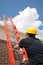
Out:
{"x": 19, "y": 45}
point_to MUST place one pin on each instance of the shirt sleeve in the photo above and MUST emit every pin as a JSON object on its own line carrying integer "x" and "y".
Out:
{"x": 22, "y": 44}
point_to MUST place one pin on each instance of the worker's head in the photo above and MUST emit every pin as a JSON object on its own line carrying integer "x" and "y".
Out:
{"x": 31, "y": 31}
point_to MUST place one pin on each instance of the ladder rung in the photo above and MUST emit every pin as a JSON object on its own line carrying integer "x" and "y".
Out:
{"x": 9, "y": 26}
{"x": 8, "y": 23}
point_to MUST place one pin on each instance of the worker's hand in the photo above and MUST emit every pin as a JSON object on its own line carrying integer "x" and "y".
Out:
{"x": 16, "y": 47}
{"x": 25, "y": 61}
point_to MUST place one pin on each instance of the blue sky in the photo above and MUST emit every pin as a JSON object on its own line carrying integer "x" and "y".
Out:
{"x": 12, "y": 7}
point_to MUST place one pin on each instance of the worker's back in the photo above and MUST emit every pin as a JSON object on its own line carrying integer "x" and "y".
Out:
{"x": 34, "y": 48}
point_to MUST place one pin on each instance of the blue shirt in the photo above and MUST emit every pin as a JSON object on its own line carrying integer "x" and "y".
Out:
{"x": 34, "y": 49}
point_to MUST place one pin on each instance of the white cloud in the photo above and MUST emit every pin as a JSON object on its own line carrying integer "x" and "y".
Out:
{"x": 40, "y": 34}
{"x": 1, "y": 22}
{"x": 26, "y": 18}
{"x": 37, "y": 23}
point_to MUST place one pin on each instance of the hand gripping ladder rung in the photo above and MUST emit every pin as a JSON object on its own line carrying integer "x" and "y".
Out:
{"x": 11, "y": 57}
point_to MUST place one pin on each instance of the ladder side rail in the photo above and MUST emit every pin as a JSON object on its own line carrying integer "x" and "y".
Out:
{"x": 18, "y": 38}
{"x": 11, "y": 57}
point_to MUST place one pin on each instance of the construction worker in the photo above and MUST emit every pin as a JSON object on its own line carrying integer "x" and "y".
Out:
{"x": 33, "y": 46}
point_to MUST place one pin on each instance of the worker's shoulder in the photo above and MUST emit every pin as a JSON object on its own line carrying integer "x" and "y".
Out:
{"x": 38, "y": 41}
{"x": 26, "y": 39}
{"x": 23, "y": 39}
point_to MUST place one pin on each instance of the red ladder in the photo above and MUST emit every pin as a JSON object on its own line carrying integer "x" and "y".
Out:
{"x": 11, "y": 57}
{"x": 18, "y": 38}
